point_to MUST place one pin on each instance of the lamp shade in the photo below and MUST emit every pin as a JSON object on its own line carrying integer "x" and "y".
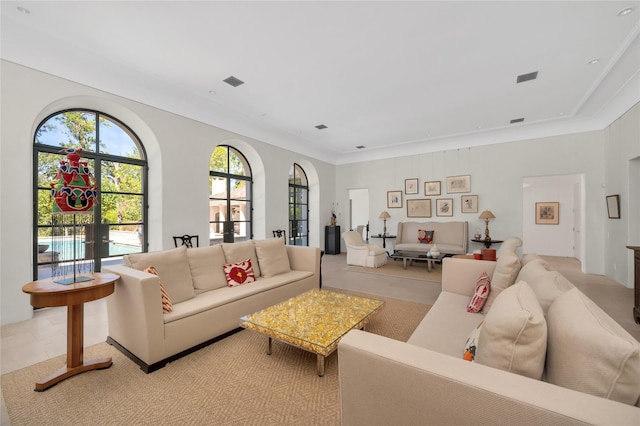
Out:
{"x": 385, "y": 215}
{"x": 487, "y": 215}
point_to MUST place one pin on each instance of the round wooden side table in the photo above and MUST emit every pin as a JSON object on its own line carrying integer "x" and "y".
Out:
{"x": 47, "y": 293}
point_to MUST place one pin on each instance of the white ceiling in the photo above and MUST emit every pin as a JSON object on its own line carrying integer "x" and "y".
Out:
{"x": 396, "y": 77}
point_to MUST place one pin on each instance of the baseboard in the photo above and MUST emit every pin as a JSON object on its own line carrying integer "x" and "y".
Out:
{"x": 150, "y": 368}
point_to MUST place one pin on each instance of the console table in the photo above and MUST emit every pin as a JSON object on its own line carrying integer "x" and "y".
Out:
{"x": 384, "y": 238}
{"x": 486, "y": 243}
{"x": 636, "y": 273}
{"x": 47, "y": 293}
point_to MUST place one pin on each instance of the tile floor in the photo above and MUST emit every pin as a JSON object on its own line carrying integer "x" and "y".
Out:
{"x": 44, "y": 336}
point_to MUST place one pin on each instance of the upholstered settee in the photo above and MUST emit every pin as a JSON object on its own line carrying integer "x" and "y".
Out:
{"x": 450, "y": 237}
{"x": 205, "y": 307}
{"x": 544, "y": 354}
{"x": 361, "y": 254}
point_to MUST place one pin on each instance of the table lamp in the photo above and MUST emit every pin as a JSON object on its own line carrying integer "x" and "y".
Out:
{"x": 384, "y": 216}
{"x": 486, "y": 215}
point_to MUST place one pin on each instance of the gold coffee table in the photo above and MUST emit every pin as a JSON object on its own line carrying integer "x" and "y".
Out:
{"x": 314, "y": 321}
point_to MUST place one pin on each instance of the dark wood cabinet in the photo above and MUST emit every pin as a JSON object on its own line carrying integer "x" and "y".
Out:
{"x": 636, "y": 284}
{"x": 332, "y": 240}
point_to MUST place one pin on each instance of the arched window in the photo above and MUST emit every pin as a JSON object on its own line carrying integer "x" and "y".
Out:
{"x": 298, "y": 206}
{"x": 117, "y": 160}
{"x": 230, "y": 196}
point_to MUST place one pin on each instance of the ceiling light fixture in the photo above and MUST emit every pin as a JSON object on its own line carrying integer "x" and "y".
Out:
{"x": 360, "y": 147}
{"x": 233, "y": 81}
{"x": 526, "y": 77}
{"x": 626, "y": 11}
{"x": 321, "y": 127}
{"x": 517, "y": 120}
{"x": 593, "y": 61}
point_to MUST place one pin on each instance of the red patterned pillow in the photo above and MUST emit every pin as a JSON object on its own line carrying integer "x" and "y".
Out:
{"x": 483, "y": 287}
{"x": 425, "y": 237}
{"x": 167, "y": 305}
{"x": 239, "y": 273}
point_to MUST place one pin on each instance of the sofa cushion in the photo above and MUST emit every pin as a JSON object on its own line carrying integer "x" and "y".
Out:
{"x": 480, "y": 294}
{"x": 239, "y": 273}
{"x": 589, "y": 352}
{"x": 272, "y": 257}
{"x": 504, "y": 275}
{"x": 530, "y": 257}
{"x": 546, "y": 283}
{"x": 172, "y": 266}
{"x": 239, "y": 252}
{"x": 206, "y": 265}
{"x": 471, "y": 344}
{"x": 514, "y": 334}
{"x": 425, "y": 237}
{"x": 167, "y": 306}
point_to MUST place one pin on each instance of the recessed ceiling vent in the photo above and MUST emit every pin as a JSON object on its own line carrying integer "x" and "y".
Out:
{"x": 321, "y": 127}
{"x": 517, "y": 120}
{"x": 233, "y": 81}
{"x": 526, "y": 77}
{"x": 360, "y": 147}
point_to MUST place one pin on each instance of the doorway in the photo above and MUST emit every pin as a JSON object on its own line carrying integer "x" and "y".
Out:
{"x": 359, "y": 210}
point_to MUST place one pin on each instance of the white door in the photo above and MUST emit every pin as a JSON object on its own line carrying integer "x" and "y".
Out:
{"x": 577, "y": 220}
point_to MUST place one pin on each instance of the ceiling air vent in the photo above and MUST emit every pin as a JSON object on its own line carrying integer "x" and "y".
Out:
{"x": 526, "y": 77}
{"x": 233, "y": 81}
{"x": 321, "y": 127}
{"x": 517, "y": 120}
{"x": 360, "y": 147}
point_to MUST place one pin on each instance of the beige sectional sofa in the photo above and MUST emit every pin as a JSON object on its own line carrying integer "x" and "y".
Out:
{"x": 545, "y": 354}
{"x": 205, "y": 307}
{"x": 450, "y": 237}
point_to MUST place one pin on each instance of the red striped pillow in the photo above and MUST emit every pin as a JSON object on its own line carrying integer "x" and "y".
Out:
{"x": 483, "y": 287}
{"x": 167, "y": 305}
{"x": 239, "y": 273}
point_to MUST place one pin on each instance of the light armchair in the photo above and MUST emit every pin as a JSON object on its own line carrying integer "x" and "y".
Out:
{"x": 361, "y": 254}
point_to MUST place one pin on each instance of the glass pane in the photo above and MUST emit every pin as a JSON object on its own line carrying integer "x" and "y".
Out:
{"x": 48, "y": 165}
{"x": 215, "y": 233}
{"x": 118, "y": 240}
{"x": 236, "y": 163}
{"x": 238, "y": 189}
{"x": 121, "y": 177}
{"x": 217, "y": 211}
{"x": 71, "y": 129}
{"x": 117, "y": 140}
{"x": 218, "y": 187}
{"x": 239, "y": 211}
{"x": 118, "y": 208}
{"x": 218, "y": 160}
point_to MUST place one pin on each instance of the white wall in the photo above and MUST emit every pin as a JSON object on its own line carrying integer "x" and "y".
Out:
{"x": 178, "y": 152}
{"x": 549, "y": 240}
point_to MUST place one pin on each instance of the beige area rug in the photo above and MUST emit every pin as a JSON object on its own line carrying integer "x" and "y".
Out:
{"x": 393, "y": 268}
{"x": 231, "y": 382}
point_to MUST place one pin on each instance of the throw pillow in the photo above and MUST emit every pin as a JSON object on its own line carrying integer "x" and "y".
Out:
{"x": 239, "y": 273}
{"x": 173, "y": 266}
{"x": 589, "y": 352}
{"x": 471, "y": 344}
{"x": 504, "y": 275}
{"x": 272, "y": 256}
{"x": 425, "y": 237}
{"x": 167, "y": 306}
{"x": 514, "y": 333}
{"x": 483, "y": 287}
{"x": 546, "y": 283}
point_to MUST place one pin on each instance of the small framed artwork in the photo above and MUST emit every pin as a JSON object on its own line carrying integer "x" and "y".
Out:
{"x": 444, "y": 207}
{"x": 548, "y": 213}
{"x": 469, "y": 203}
{"x": 457, "y": 184}
{"x": 613, "y": 206}
{"x": 411, "y": 186}
{"x": 394, "y": 199}
{"x": 432, "y": 188}
{"x": 419, "y": 208}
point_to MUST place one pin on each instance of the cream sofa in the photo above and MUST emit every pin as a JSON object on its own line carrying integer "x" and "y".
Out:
{"x": 205, "y": 307}
{"x": 450, "y": 237}
{"x": 545, "y": 354}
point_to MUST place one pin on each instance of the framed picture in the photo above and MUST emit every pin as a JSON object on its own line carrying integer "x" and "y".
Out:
{"x": 613, "y": 206}
{"x": 394, "y": 199}
{"x": 548, "y": 213}
{"x": 419, "y": 208}
{"x": 411, "y": 186}
{"x": 432, "y": 188}
{"x": 458, "y": 184}
{"x": 469, "y": 203}
{"x": 444, "y": 207}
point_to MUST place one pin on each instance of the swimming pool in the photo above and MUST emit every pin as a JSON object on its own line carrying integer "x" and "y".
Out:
{"x": 65, "y": 248}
